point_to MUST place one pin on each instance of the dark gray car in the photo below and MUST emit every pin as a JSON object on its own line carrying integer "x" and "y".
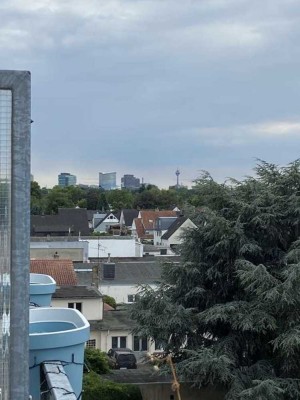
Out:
{"x": 122, "y": 358}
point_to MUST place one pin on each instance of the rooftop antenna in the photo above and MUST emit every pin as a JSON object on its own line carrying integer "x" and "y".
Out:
{"x": 177, "y": 173}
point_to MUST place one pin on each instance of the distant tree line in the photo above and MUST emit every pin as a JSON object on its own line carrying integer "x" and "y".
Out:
{"x": 47, "y": 201}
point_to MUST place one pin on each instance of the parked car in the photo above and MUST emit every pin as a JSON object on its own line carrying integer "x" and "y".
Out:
{"x": 122, "y": 358}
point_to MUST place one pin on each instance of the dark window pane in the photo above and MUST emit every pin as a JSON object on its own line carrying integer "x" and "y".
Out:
{"x": 109, "y": 271}
{"x": 114, "y": 341}
{"x": 144, "y": 344}
{"x": 123, "y": 341}
{"x": 136, "y": 343}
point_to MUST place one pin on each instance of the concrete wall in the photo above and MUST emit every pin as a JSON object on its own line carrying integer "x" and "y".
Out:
{"x": 64, "y": 254}
{"x": 163, "y": 391}
{"x": 75, "y": 250}
{"x": 18, "y": 156}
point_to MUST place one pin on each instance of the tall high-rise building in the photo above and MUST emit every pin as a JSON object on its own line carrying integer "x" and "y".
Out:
{"x": 130, "y": 182}
{"x": 107, "y": 181}
{"x": 66, "y": 179}
{"x": 15, "y": 123}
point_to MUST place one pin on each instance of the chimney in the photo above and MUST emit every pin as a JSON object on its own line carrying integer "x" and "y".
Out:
{"x": 95, "y": 275}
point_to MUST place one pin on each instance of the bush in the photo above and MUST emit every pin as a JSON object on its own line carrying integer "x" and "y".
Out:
{"x": 110, "y": 301}
{"x": 96, "y": 388}
{"x": 96, "y": 361}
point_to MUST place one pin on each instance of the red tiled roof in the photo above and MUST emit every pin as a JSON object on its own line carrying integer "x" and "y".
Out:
{"x": 149, "y": 217}
{"x": 107, "y": 307}
{"x": 140, "y": 231}
{"x": 62, "y": 271}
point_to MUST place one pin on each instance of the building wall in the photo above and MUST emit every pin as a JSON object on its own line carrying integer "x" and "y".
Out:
{"x": 97, "y": 336}
{"x": 66, "y": 179}
{"x": 92, "y": 309}
{"x": 75, "y": 250}
{"x": 50, "y": 254}
{"x": 119, "y": 292}
{"x": 117, "y": 247}
{"x": 163, "y": 391}
{"x": 104, "y": 341}
{"x": 130, "y": 182}
{"x": 107, "y": 180}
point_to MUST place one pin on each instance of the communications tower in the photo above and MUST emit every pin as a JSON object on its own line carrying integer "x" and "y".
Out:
{"x": 177, "y": 173}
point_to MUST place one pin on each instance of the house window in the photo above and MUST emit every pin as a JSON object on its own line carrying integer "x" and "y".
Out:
{"x": 118, "y": 341}
{"x": 77, "y": 306}
{"x": 131, "y": 298}
{"x": 91, "y": 344}
{"x": 140, "y": 343}
{"x": 109, "y": 271}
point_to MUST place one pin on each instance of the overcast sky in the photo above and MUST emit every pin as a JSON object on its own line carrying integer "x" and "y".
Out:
{"x": 145, "y": 87}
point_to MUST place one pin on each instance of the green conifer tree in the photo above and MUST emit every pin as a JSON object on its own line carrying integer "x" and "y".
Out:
{"x": 230, "y": 311}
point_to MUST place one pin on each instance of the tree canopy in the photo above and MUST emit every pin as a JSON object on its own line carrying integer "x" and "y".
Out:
{"x": 148, "y": 197}
{"x": 230, "y": 311}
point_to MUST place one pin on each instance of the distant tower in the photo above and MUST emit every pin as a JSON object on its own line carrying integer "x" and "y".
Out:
{"x": 177, "y": 173}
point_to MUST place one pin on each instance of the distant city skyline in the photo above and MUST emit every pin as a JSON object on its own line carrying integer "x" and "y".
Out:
{"x": 51, "y": 181}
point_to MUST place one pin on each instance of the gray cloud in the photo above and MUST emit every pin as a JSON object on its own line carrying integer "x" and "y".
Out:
{"x": 147, "y": 86}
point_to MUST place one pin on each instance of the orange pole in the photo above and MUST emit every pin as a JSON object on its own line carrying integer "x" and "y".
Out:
{"x": 176, "y": 384}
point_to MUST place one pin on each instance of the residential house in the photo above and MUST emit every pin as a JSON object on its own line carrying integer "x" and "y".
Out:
{"x": 126, "y": 219}
{"x": 162, "y": 224}
{"x": 108, "y": 327}
{"x": 108, "y": 220}
{"x": 90, "y": 215}
{"x": 143, "y": 226}
{"x": 87, "y": 300}
{"x": 120, "y": 280}
{"x": 115, "y": 330}
{"x": 174, "y": 235}
{"x": 67, "y": 222}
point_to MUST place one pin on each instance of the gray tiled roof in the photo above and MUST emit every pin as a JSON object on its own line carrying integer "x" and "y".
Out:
{"x": 73, "y": 220}
{"x": 114, "y": 320}
{"x": 164, "y": 223}
{"x": 173, "y": 228}
{"x": 129, "y": 215}
{"x": 77, "y": 292}
{"x": 131, "y": 272}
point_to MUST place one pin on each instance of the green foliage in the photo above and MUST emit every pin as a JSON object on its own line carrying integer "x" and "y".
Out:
{"x": 230, "y": 312}
{"x": 36, "y": 198}
{"x": 58, "y": 197}
{"x": 118, "y": 199}
{"x": 109, "y": 300}
{"x": 96, "y": 388}
{"x": 95, "y": 199}
{"x": 96, "y": 361}
{"x": 48, "y": 201}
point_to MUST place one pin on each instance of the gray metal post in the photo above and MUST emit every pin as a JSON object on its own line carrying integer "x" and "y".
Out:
{"x": 19, "y": 83}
